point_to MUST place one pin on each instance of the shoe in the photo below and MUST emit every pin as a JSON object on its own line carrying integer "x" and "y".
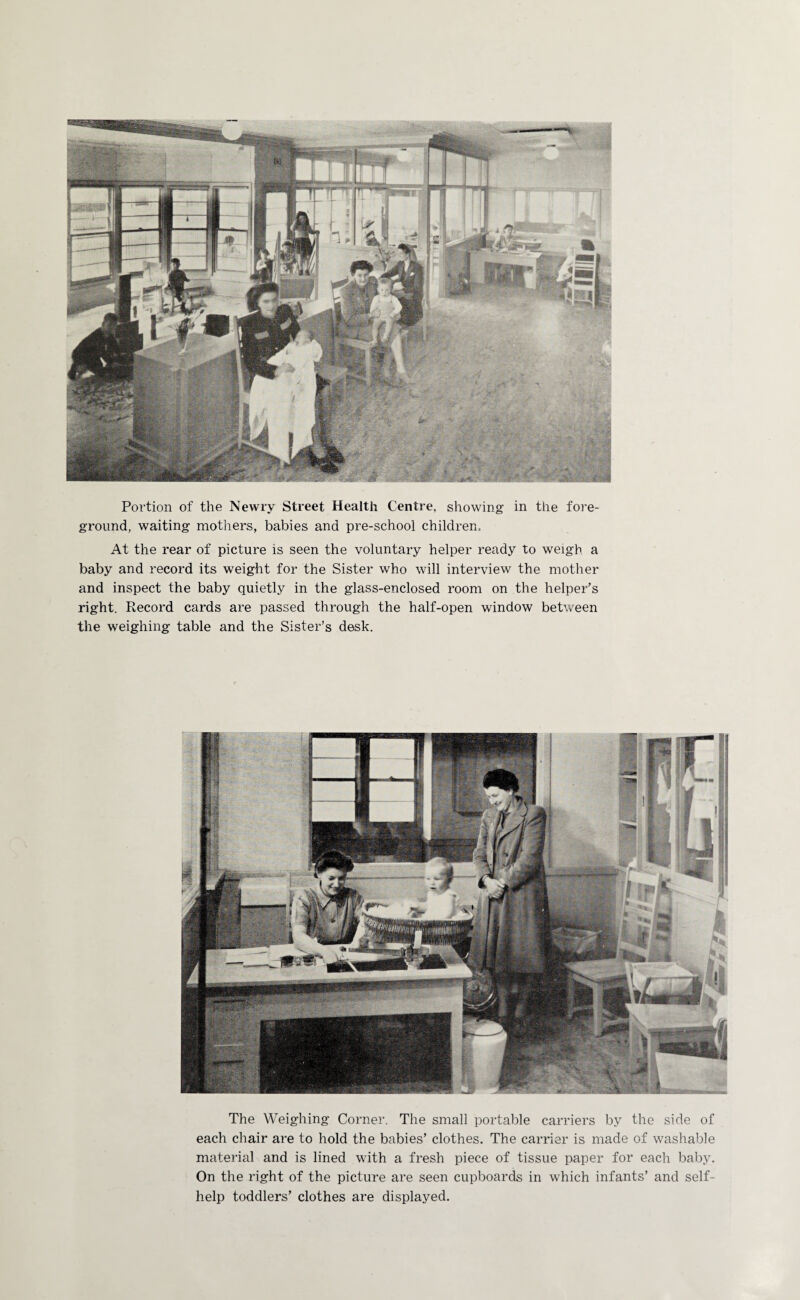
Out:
{"x": 323, "y": 463}
{"x": 334, "y": 454}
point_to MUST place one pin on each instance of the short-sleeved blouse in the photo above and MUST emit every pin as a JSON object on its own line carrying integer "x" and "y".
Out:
{"x": 328, "y": 920}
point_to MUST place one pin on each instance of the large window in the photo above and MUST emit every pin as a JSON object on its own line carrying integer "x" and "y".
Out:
{"x": 233, "y": 228}
{"x": 141, "y": 226}
{"x": 559, "y": 211}
{"x": 89, "y": 233}
{"x": 364, "y": 780}
{"x": 190, "y": 228}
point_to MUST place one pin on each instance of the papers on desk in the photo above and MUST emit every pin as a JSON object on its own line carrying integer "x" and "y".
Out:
{"x": 251, "y": 957}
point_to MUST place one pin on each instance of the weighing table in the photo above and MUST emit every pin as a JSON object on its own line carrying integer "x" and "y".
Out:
{"x": 479, "y": 258}
{"x": 239, "y": 998}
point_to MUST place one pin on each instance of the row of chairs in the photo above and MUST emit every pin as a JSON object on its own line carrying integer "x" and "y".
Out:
{"x": 653, "y": 1025}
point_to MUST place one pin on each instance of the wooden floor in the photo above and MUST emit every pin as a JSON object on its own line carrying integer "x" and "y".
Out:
{"x": 510, "y": 387}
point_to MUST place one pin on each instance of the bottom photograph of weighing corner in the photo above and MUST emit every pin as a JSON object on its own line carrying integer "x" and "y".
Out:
{"x": 411, "y": 913}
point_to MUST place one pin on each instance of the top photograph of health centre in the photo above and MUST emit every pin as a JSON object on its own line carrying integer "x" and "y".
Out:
{"x": 280, "y": 301}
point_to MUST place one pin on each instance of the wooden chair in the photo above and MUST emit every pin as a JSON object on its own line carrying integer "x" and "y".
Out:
{"x": 583, "y": 281}
{"x": 243, "y": 376}
{"x": 654, "y": 1024}
{"x": 342, "y": 341}
{"x": 635, "y": 938}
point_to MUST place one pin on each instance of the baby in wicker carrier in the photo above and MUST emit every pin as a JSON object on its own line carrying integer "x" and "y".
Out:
{"x": 441, "y": 902}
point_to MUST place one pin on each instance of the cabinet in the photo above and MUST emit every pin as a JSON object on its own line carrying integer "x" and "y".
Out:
{"x": 628, "y": 801}
{"x": 682, "y": 809}
{"x": 185, "y": 404}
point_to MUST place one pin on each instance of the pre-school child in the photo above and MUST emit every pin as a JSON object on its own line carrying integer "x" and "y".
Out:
{"x": 384, "y": 312}
{"x": 303, "y": 247}
{"x": 287, "y": 257}
{"x": 177, "y": 281}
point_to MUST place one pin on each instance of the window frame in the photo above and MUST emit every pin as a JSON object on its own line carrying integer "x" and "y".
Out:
{"x": 550, "y": 227}
{"x": 362, "y": 777}
{"x": 207, "y": 190}
{"x": 111, "y": 192}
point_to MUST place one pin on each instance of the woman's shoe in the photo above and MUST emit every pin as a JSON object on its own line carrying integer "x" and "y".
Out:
{"x": 322, "y": 463}
{"x": 334, "y": 454}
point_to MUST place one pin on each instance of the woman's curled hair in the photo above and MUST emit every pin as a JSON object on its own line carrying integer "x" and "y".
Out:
{"x": 501, "y": 779}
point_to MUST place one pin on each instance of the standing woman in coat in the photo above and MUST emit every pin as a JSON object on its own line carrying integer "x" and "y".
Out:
{"x": 511, "y": 935}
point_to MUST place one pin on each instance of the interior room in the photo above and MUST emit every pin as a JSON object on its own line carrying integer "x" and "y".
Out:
{"x": 502, "y": 370}
{"x": 630, "y": 995}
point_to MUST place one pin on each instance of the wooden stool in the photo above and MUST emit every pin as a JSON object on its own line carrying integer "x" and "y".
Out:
{"x": 333, "y": 375}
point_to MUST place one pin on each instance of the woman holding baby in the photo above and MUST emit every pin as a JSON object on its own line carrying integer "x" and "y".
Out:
{"x": 511, "y": 935}
{"x": 286, "y": 394}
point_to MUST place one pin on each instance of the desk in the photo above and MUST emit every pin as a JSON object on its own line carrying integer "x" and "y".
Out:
{"x": 185, "y": 405}
{"x": 479, "y": 258}
{"x": 239, "y": 998}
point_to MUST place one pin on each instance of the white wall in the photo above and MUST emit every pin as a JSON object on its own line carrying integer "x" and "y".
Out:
{"x": 263, "y": 802}
{"x": 573, "y": 169}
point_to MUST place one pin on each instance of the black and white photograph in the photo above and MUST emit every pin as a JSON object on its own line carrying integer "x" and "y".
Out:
{"x": 379, "y": 301}
{"x": 477, "y": 913}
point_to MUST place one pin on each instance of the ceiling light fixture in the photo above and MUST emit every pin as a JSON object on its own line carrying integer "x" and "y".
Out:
{"x": 550, "y": 152}
{"x": 403, "y": 154}
{"x": 231, "y": 129}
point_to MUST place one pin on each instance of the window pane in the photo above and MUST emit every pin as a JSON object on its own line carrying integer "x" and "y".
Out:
{"x": 391, "y": 812}
{"x": 338, "y": 171}
{"x": 539, "y": 207}
{"x": 391, "y": 791}
{"x": 333, "y": 791}
{"x": 395, "y": 768}
{"x": 91, "y": 257}
{"x": 333, "y": 746}
{"x": 520, "y": 205}
{"x": 392, "y": 747}
{"x": 231, "y": 250}
{"x": 302, "y": 169}
{"x": 436, "y": 166}
{"x": 588, "y": 212}
{"x": 234, "y": 209}
{"x": 473, "y": 171}
{"x": 455, "y": 169}
{"x": 659, "y": 785}
{"x": 333, "y": 767}
{"x": 322, "y": 169}
{"x": 454, "y": 221}
{"x": 138, "y": 248}
{"x": 332, "y": 812}
{"x": 563, "y": 208}
{"x": 89, "y": 209}
{"x": 484, "y": 172}
{"x": 404, "y": 167}
{"x": 369, "y": 207}
{"x": 403, "y": 217}
{"x": 697, "y": 821}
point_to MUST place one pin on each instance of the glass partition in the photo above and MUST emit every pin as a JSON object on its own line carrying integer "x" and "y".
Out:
{"x": 435, "y": 166}
{"x": 454, "y": 213}
{"x": 404, "y": 166}
{"x": 455, "y": 169}
{"x": 473, "y": 171}
{"x": 658, "y": 828}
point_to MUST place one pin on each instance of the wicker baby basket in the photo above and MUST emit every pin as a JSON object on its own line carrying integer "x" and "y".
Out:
{"x": 401, "y": 929}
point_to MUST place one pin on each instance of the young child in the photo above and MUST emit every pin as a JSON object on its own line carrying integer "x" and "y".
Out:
{"x": 177, "y": 281}
{"x": 287, "y": 257}
{"x": 264, "y": 266}
{"x": 384, "y": 312}
{"x": 303, "y": 247}
{"x": 441, "y": 902}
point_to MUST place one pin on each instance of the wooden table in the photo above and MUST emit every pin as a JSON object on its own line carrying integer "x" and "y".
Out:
{"x": 185, "y": 405}
{"x": 481, "y": 257}
{"x": 239, "y": 998}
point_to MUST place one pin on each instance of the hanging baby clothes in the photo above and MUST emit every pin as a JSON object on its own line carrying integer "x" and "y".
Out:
{"x": 287, "y": 403}
{"x": 700, "y": 780}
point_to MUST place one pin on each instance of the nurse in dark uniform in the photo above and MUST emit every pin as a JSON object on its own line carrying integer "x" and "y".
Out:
{"x": 511, "y": 935}
{"x": 327, "y": 912}
{"x": 264, "y": 335}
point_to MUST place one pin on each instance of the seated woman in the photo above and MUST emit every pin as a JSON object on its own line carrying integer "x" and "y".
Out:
{"x": 409, "y": 286}
{"x": 327, "y": 912}
{"x": 564, "y": 274}
{"x": 356, "y": 300}
{"x": 263, "y": 336}
{"x": 506, "y": 243}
